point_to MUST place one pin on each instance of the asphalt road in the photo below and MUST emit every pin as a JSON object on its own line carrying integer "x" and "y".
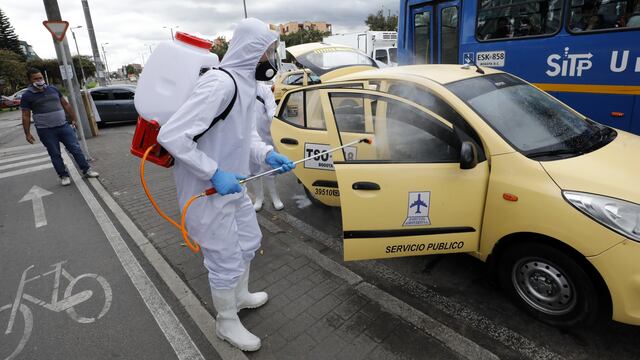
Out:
{"x": 70, "y": 287}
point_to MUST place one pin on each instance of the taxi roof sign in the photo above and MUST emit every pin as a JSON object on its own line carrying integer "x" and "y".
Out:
{"x": 57, "y": 28}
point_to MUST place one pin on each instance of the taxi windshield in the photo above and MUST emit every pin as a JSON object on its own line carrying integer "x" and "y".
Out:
{"x": 323, "y": 60}
{"x": 530, "y": 120}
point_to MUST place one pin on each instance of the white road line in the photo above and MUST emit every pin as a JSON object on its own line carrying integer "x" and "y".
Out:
{"x": 25, "y": 170}
{"x": 17, "y": 158}
{"x": 23, "y": 163}
{"x": 192, "y": 305}
{"x": 175, "y": 333}
{"x": 16, "y": 148}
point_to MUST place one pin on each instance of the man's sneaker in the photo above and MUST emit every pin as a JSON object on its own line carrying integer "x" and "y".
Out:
{"x": 64, "y": 180}
{"x": 91, "y": 174}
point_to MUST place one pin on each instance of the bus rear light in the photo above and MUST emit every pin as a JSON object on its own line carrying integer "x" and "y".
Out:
{"x": 617, "y": 114}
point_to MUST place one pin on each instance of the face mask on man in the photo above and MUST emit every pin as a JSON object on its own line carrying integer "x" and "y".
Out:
{"x": 39, "y": 84}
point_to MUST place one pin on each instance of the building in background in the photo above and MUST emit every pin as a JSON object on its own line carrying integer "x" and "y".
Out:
{"x": 28, "y": 51}
{"x": 293, "y": 26}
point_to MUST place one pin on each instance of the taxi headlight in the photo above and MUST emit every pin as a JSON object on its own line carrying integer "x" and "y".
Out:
{"x": 620, "y": 216}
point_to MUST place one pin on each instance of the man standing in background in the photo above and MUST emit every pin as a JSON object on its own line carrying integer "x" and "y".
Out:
{"x": 48, "y": 106}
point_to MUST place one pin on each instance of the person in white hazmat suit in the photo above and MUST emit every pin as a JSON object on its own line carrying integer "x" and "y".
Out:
{"x": 225, "y": 224}
{"x": 266, "y": 109}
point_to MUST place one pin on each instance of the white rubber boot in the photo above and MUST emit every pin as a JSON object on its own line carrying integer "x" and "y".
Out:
{"x": 258, "y": 190}
{"x": 244, "y": 298}
{"x": 270, "y": 182}
{"x": 228, "y": 325}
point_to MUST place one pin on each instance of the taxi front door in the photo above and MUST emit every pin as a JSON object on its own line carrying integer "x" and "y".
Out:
{"x": 406, "y": 194}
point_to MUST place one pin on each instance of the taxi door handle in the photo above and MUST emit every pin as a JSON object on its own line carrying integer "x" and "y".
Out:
{"x": 289, "y": 141}
{"x": 365, "y": 185}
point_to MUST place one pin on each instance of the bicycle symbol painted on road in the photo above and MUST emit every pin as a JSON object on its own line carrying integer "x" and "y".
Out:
{"x": 67, "y": 303}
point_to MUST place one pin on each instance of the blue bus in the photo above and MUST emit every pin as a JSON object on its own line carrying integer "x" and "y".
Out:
{"x": 584, "y": 52}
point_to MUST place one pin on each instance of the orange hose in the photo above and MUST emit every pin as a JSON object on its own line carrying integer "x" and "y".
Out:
{"x": 191, "y": 244}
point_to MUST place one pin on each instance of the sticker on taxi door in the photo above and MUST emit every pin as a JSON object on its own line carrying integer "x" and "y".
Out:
{"x": 418, "y": 208}
{"x": 324, "y": 161}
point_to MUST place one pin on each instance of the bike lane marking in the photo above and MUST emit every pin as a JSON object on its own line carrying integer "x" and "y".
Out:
{"x": 170, "y": 325}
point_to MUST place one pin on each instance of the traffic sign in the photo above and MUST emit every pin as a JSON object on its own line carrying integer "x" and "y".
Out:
{"x": 56, "y": 28}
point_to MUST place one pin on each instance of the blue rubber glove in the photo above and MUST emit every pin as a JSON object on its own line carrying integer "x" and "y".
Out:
{"x": 226, "y": 182}
{"x": 276, "y": 160}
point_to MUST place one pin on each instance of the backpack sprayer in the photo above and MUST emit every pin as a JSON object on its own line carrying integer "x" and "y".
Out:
{"x": 210, "y": 191}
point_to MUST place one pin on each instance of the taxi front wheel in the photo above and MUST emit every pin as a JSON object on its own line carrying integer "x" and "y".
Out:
{"x": 549, "y": 285}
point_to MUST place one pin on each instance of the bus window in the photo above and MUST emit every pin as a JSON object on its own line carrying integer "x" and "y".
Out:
{"x": 422, "y": 38}
{"x": 519, "y": 19}
{"x": 449, "y": 35}
{"x": 590, "y": 15}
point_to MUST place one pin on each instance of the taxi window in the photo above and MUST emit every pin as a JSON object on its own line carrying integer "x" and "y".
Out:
{"x": 293, "y": 109}
{"x": 593, "y": 15}
{"x": 348, "y": 111}
{"x": 402, "y": 133}
{"x": 422, "y": 96}
{"x": 315, "y": 115}
{"x": 295, "y": 79}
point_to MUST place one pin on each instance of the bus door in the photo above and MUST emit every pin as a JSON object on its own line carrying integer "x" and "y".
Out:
{"x": 421, "y": 41}
{"x": 447, "y": 32}
{"x": 435, "y": 32}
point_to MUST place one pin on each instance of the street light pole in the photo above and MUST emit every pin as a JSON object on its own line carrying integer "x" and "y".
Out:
{"x": 79, "y": 57}
{"x": 171, "y": 28}
{"x": 106, "y": 64}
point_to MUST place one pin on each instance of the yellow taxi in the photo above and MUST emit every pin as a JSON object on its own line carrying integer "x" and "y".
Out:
{"x": 474, "y": 160}
{"x": 293, "y": 79}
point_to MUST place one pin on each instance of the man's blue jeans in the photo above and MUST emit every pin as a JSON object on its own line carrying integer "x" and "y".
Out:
{"x": 51, "y": 139}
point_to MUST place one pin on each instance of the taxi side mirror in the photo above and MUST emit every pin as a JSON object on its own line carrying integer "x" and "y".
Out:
{"x": 468, "y": 156}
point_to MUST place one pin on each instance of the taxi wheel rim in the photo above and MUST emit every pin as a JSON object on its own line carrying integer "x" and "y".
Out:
{"x": 544, "y": 286}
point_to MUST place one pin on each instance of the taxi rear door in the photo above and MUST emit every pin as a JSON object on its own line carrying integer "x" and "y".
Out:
{"x": 406, "y": 194}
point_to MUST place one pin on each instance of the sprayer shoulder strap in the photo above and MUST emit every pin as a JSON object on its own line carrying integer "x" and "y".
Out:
{"x": 223, "y": 115}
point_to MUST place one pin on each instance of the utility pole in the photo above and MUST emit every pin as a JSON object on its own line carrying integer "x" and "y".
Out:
{"x": 62, "y": 52}
{"x": 84, "y": 78}
{"x": 105, "y": 60}
{"x": 94, "y": 44}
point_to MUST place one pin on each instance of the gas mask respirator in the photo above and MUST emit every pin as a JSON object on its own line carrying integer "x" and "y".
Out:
{"x": 267, "y": 69}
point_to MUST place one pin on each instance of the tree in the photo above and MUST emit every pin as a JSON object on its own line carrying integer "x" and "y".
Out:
{"x": 13, "y": 70}
{"x": 378, "y": 22}
{"x": 220, "y": 47}
{"x": 87, "y": 65}
{"x": 8, "y": 38}
{"x": 303, "y": 36}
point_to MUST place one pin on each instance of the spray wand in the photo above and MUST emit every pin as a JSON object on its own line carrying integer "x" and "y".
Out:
{"x": 211, "y": 191}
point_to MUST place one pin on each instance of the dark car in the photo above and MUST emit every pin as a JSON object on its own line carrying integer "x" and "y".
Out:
{"x": 115, "y": 103}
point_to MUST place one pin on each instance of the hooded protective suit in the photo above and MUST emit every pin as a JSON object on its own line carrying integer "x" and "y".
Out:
{"x": 225, "y": 226}
{"x": 266, "y": 111}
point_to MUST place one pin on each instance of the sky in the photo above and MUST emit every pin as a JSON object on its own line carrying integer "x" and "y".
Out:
{"x": 130, "y": 27}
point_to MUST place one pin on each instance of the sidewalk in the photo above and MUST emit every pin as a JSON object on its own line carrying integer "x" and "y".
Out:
{"x": 312, "y": 313}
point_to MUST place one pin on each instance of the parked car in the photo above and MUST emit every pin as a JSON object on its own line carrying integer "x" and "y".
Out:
{"x": 12, "y": 101}
{"x": 474, "y": 160}
{"x": 115, "y": 103}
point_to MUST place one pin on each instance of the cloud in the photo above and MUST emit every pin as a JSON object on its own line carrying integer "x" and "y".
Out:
{"x": 129, "y": 27}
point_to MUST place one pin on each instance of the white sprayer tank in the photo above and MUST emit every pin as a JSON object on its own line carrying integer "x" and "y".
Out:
{"x": 170, "y": 75}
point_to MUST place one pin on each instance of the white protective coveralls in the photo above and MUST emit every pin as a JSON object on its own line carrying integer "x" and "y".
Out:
{"x": 265, "y": 111}
{"x": 225, "y": 226}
